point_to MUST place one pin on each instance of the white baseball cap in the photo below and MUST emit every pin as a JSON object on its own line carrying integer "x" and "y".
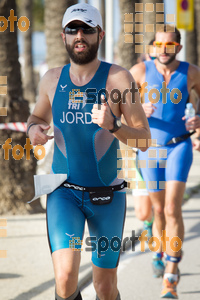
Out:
{"x": 83, "y": 12}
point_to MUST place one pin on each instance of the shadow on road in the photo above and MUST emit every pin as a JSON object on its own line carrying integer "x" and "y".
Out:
{"x": 35, "y": 291}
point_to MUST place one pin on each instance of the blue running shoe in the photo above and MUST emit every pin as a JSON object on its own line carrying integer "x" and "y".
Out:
{"x": 148, "y": 226}
{"x": 158, "y": 265}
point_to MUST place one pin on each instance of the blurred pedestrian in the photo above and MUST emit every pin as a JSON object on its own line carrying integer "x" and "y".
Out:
{"x": 169, "y": 159}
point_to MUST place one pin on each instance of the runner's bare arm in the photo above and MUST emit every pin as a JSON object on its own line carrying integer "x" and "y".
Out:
{"x": 196, "y": 140}
{"x": 194, "y": 78}
{"x": 138, "y": 73}
{"x": 41, "y": 114}
{"x": 194, "y": 90}
{"x": 137, "y": 128}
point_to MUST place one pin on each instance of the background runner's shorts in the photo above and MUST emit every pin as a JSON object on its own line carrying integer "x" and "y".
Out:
{"x": 66, "y": 215}
{"x": 169, "y": 163}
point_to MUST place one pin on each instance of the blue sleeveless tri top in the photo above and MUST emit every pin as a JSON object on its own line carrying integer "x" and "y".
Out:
{"x": 166, "y": 121}
{"x": 82, "y": 150}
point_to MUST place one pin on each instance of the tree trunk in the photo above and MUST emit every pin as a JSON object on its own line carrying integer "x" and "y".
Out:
{"x": 197, "y": 27}
{"x": 143, "y": 28}
{"x": 28, "y": 78}
{"x": 191, "y": 48}
{"x": 56, "y": 53}
{"x": 16, "y": 176}
{"x": 126, "y": 56}
{"x": 153, "y": 16}
{"x": 193, "y": 38}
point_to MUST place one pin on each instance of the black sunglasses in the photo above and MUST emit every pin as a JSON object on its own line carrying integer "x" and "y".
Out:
{"x": 73, "y": 29}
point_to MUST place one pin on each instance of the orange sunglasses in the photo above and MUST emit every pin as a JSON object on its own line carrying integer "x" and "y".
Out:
{"x": 160, "y": 44}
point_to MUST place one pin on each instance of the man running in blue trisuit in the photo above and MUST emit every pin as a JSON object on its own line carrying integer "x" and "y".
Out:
{"x": 86, "y": 139}
{"x": 168, "y": 83}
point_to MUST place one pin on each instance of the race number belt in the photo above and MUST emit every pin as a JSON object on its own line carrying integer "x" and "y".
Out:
{"x": 175, "y": 140}
{"x": 98, "y": 195}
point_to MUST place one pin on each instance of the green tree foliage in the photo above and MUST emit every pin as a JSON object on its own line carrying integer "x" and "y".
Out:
{"x": 38, "y": 14}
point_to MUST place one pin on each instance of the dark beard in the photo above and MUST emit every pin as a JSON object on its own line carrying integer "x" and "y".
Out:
{"x": 83, "y": 58}
{"x": 172, "y": 58}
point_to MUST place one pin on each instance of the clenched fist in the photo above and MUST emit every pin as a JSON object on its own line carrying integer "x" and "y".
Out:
{"x": 37, "y": 135}
{"x": 103, "y": 116}
{"x": 149, "y": 109}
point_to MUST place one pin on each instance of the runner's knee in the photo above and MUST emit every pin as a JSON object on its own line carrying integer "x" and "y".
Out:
{"x": 142, "y": 214}
{"x": 172, "y": 211}
{"x": 104, "y": 289}
{"x": 159, "y": 211}
{"x": 106, "y": 286}
{"x": 66, "y": 281}
{"x": 143, "y": 207}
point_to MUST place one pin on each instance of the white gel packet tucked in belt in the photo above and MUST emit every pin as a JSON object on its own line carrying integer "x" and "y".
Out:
{"x": 47, "y": 183}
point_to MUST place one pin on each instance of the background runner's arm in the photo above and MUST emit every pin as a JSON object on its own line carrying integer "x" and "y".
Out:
{"x": 194, "y": 89}
{"x": 195, "y": 79}
{"x": 193, "y": 99}
{"x": 194, "y": 122}
{"x": 196, "y": 141}
{"x": 138, "y": 72}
